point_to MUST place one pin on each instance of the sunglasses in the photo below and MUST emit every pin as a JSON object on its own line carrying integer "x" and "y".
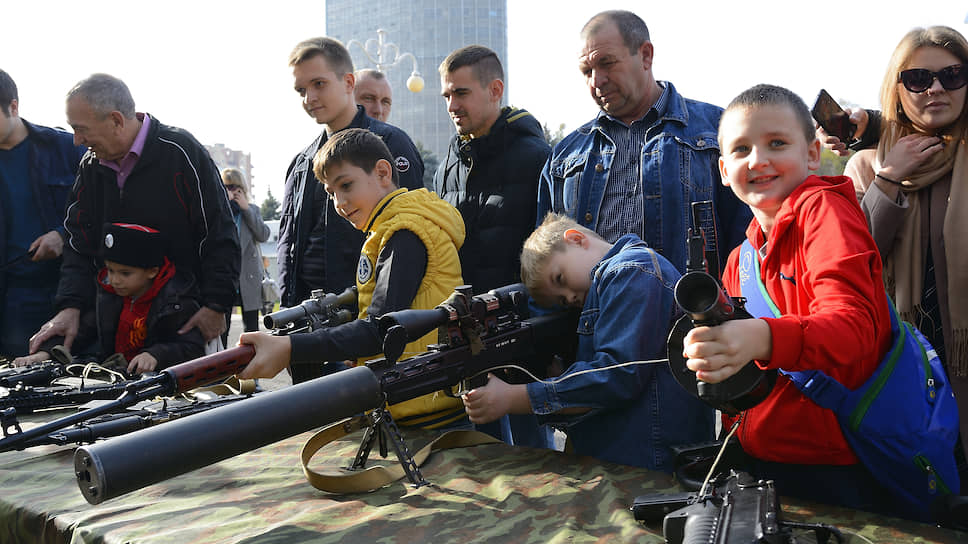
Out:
{"x": 918, "y": 80}
{"x": 233, "y": 187}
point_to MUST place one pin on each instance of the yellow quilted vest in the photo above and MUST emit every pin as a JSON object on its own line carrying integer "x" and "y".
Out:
{"x": 441, "y": 228}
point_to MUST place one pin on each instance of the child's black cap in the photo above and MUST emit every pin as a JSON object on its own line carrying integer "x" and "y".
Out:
{"x": 133, "y": 245}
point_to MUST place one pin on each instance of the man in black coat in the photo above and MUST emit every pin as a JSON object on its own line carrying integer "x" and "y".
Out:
{"x": 490, "y": 174}
{"x": 317, "y": 248}
{"x": 491, "y": 169}
{"x": 139, "y": 170}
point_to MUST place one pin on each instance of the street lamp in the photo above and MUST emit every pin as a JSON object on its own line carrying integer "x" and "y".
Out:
{"x": 381, "y": 57}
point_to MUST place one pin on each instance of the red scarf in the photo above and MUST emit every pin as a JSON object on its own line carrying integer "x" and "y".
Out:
{"x": 129, "y": 339}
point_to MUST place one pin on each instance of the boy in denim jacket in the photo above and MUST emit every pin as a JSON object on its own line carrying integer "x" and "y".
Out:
{"x": 631, "y": 414}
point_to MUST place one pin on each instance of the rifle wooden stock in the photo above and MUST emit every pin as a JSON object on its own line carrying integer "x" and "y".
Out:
{"x": 210, "y": 368}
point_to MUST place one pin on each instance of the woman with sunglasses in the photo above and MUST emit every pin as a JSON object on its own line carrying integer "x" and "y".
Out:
{"x": 914, "y": 189}
{"x": 252, "y": 232}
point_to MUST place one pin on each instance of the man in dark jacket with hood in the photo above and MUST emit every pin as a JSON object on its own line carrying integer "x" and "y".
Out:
{"x": 490, "y": 174}
{"x": 491, "y": 169}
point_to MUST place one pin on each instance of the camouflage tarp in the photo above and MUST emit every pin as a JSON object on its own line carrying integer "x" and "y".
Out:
{"x": 491, "y": 493}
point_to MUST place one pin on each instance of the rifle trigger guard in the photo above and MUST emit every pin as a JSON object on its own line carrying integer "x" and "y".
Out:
{"x": 8, "y": 418}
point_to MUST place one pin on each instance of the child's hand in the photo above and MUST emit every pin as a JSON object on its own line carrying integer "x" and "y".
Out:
{"x": 26, "y": 360}
{"x": 496, "y": 399}
{"x": 716, "y": 353}
{"x": 272, "y": 355}
{"x": 142, "y": 362}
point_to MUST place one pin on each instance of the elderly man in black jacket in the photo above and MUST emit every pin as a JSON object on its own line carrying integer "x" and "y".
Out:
{"x": 490, "y": 174}
{"x": 138, "y": 170}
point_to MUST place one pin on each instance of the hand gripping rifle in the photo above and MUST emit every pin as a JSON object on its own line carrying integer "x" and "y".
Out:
{"x": 504, "y": 333}
{"x": 705, "y": 303}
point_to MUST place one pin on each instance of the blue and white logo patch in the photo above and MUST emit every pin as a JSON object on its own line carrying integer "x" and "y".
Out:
{"x": 364, "y": 270}
{"x": 745, "y": 266}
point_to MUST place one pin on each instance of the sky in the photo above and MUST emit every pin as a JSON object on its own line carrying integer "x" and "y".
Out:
{"x": 217, "y": 68}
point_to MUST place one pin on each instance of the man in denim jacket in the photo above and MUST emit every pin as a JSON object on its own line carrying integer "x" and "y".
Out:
{"x": 631, "y": 414}
{"x": 648, "y": 155}
{"x": 37, "y": 169}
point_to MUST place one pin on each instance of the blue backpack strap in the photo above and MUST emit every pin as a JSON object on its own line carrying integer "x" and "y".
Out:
{"x": 825, "y": 391}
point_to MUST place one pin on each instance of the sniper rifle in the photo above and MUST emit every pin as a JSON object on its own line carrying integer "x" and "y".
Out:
{"x": 477, "y": 334}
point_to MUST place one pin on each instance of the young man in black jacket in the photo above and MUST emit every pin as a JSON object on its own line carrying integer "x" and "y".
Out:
{"x": 490, "y": 174}
{"x": 138, "y": 170}
{"x": 317, "y": 248}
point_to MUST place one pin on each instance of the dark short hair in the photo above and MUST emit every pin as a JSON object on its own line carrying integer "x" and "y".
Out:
{"x": 8, "y": 92}
{"x": 630, "y": 26}
{"x": 356, "y": 146}
{"x": 483, "y": 61}
{"x": 332, "y": 50}
{"x": 104, "y": 93}
{"x": 773, "y": 95}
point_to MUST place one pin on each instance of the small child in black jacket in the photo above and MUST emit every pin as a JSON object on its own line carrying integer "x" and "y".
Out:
{"x": 142, "y": 301}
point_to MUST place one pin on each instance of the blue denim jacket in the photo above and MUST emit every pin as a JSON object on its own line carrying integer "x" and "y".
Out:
{"x": 637, "y": 411}
{"x": 680, "y": 165}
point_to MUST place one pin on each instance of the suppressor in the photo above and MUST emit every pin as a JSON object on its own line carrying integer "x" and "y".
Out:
{"x": 127, "y": 463}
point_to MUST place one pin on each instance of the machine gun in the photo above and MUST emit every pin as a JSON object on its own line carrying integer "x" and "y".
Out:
{"x": 737, "y": 508}
{"x": 33, "y": 375}
{"x": 170, "y": 381}
{"x": 705, "y": 303}
{"x": 117, "y": 424}
{"x": 26, "y": 399}
{"x": 501, "y": 333}
{"x": 320, "y": 310}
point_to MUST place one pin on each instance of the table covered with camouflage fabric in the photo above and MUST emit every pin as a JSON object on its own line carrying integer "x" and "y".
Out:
{"x": 487, "y": 493}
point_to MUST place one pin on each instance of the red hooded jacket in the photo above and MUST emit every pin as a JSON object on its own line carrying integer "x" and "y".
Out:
{"x": 823, "y": 271}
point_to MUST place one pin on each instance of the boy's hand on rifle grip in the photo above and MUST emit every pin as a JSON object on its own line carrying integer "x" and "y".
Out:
{"x": 496, "y": 399}
{"x": 272, "y": 355}
{"x": 716, "y": 353}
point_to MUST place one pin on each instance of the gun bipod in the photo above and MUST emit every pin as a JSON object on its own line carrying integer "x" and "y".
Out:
{"x": 382, "y": 428}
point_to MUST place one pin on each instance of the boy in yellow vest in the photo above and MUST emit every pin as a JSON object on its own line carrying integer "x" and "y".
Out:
{"x": 409, "y": 260}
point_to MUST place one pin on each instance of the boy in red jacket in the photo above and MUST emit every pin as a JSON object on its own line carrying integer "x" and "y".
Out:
{"x": 821, "y": 268}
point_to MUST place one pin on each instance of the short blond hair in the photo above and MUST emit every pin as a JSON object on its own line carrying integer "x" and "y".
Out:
{"x": 234, "y": 176}
{"x": 544, "y": 242}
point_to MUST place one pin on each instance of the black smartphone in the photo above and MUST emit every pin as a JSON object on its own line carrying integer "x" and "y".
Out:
{"x": 832, "y": 118}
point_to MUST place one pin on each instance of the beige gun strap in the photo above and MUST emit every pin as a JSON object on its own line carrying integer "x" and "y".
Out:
{"x": 374, "y": 477}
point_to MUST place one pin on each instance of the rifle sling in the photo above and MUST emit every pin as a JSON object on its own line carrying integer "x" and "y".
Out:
{"x": 375, "y": 477}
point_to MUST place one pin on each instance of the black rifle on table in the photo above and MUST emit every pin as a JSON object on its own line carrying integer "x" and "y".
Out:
{"x": 736, "y": 508}
{"x": 30, "y": 388}
{"x": 170, "y": 381}
{"x": 477, "y": 334}
{"x": 41, "y": 373}
{"x": 127, "y": 421}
